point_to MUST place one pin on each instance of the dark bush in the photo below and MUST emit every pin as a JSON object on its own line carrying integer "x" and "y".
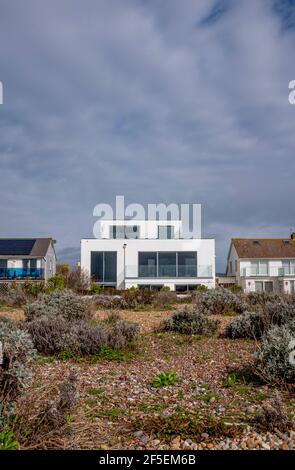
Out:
{"x": 188, "y": 320}
{"x": 271, "y": 417}
{"x": 54, "y": 335}
{"x": 13, "y": 296}
{"x": 246, "y": 325}
{"x": 260, "y": 298}
{"x": 164, "y": 299}
{"x": 77, "y": 280}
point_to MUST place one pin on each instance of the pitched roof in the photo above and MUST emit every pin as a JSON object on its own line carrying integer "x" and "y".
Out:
{"x": 35, "y": 247}
{"x": 264, "y": 247}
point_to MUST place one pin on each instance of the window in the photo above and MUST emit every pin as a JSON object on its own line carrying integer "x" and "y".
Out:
{"x": 155, "y": 287}
{"x": 167, "y": 264}
{"x": 147, "y": 264}
{"x": 187, "y": 264}
{"x": 289, "y": 267}
{"x": 263, "y": 286}
{"x": 236, "y": 266}
{"x": 185, "y": 287}
{"x": 29, "y": 264}
{"x": 259, "y": 268}
{"x": 165, "y": 232}
{"x": 258, "y": 286}
{"x": 268, "y": 286}
{"x": 124, "y": 231}
{"x": 230, "y": 266}
{"x": 104, "y": 266}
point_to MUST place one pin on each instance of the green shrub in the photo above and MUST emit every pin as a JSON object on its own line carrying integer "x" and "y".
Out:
{"x": 95, "y": 289}
{"x": 164, "y": 379}
{"x": 189, "y": 321}
{"x": 165, "y": 289}
{"x": 236, "y": 289}
{"x": 56, "y": 282}
{"x": 7, "y": 440}
{"x": 201, "y": 288}
{"x": 59, "y": 303}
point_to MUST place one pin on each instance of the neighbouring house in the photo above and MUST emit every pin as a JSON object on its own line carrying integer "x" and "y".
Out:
{"x": 27, "y": 259}
{"x": 222, "y": 280}
{"x": 148, "y": 254}
{"x": 263, "y": 264}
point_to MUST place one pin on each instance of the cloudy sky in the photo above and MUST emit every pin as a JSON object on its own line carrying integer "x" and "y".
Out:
{"x": 157, "y": 100}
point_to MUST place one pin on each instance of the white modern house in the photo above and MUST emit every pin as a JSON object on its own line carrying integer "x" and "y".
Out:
{"x": 148, "y": 254}
{"x": 263, "y": 264}
{"x": 27, "y": 259}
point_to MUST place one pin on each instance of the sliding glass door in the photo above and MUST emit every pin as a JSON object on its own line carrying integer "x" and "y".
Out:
{"x": 167, "y": 264}
{"x": 104, "y": 266}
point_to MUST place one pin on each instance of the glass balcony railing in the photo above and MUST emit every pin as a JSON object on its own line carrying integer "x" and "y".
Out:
{"x": 286, "y": 271}
{"x": 271, "y": 272}
{"x": 21, "y": 273}
{"x": 169, "y": 271}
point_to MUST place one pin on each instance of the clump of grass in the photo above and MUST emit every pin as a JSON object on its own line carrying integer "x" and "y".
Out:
{"x": 188, "y": 425}
{"x": 164, "y": 379}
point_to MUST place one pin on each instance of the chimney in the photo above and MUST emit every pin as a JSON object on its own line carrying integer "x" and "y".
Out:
{"x": 293, "y": 236}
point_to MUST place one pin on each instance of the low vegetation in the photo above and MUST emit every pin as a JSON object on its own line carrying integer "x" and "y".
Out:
{"x": 206, "y": 372}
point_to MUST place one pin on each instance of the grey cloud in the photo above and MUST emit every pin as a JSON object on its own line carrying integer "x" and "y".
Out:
{"x": 139, "y": 98}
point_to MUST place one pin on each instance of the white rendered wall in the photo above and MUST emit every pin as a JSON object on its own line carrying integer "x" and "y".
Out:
{"x": 205, "y": 249}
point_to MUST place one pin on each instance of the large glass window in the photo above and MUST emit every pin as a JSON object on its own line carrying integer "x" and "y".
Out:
{"x": 147, "y": 264}
{"x": 124, "y": 231}
{"x": 259, "y": 268}
{"x": 167, "y": 264}
{"x": 187, "y": 264}
{"x": 289, "y": 266}
{"x": 104, "y": 266}
{"x": 165, "y": 232}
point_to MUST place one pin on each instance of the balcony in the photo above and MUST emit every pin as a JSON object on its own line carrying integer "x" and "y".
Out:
{"x": 169, "y": 271}
{"x": 21, "y": 273}
{"x": 285, "y": 272}
{"x": 270, "y": 272}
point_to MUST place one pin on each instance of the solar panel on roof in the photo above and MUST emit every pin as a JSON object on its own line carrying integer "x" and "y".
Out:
{"x": 16, "y": 247}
